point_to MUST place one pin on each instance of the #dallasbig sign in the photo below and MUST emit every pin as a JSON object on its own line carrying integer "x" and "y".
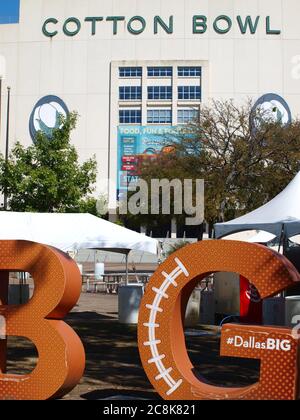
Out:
{"x": 161, "y": 333}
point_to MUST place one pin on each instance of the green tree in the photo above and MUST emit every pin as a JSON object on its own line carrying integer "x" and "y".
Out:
{"x": 244, "y": 159}
{"x": 47, "y": 177}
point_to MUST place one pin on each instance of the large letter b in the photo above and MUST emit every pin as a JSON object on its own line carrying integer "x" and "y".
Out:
{"x": 57, "y": 288}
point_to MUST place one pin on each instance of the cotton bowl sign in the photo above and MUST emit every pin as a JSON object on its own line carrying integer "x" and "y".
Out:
{"x": 161, "y": 335}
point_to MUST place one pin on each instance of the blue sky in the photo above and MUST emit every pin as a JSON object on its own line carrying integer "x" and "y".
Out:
{"x": 9, "y": 11}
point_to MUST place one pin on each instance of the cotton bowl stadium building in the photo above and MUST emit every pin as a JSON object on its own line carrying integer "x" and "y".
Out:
{"x": 135, "y": 69}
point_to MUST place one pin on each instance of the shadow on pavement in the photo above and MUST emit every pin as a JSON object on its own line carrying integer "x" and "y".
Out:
{"x": 109, "y": 394}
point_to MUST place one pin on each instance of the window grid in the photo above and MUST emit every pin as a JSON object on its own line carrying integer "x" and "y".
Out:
{"x": 159, "y": 116}
{"x": 189, "y": 71}
{"x": 130, "y": 71}
{"x": 160, "y": 92}
{"x": 160, "y": 71}
{"x": 130, "y": 116}
{"x": 130, "y": 93}
{"x": 189, "y": 93}
{"x": 186, "y": 116}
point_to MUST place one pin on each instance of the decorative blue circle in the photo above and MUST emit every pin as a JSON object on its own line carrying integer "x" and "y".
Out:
{"x": 43, "y": 127}
{"x": 267, "y": 98}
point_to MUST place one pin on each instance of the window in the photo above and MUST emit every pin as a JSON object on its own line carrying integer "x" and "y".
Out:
{"x": 160, "y": 71}
{"x": 159, "y": 116}
{"x": 189, "y": 93}
{"x": 130, "y": 116}
{"x": 130, "y": 71}
{"x": 189, "y": 71}
{"x": 185, "y": 116}
{"x": 130, "y": 93}
{"x": 160, "y": 92}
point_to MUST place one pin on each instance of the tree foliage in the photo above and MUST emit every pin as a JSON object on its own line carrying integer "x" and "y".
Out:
{"x": 47, "y": 176}
{"x": 244, "y": 159}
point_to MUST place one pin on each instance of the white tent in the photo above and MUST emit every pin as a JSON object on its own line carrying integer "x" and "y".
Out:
{"x": 253, "y": 236}
{"x": 72, "y": 232}
{"x": 262, "y": 237}
{"x": 282, "y": 214}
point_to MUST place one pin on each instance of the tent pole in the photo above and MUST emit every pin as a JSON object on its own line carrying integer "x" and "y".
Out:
{"x": 127, "y": 268}
{"x": 281, "y": 240}
{"x": 284, "y": 249}
{"x": 285, "y": 243}
{"x": 214, "y": 236}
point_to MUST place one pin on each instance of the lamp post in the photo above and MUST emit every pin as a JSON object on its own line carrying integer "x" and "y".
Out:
{"x": 4, "y": 276}
{"x": 7, "y": 141}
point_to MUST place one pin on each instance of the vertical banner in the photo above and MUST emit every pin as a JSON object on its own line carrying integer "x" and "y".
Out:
{"x": 137, "y": 144}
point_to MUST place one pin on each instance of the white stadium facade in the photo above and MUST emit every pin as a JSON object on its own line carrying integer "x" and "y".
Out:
{"x": 135, "y": 69}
